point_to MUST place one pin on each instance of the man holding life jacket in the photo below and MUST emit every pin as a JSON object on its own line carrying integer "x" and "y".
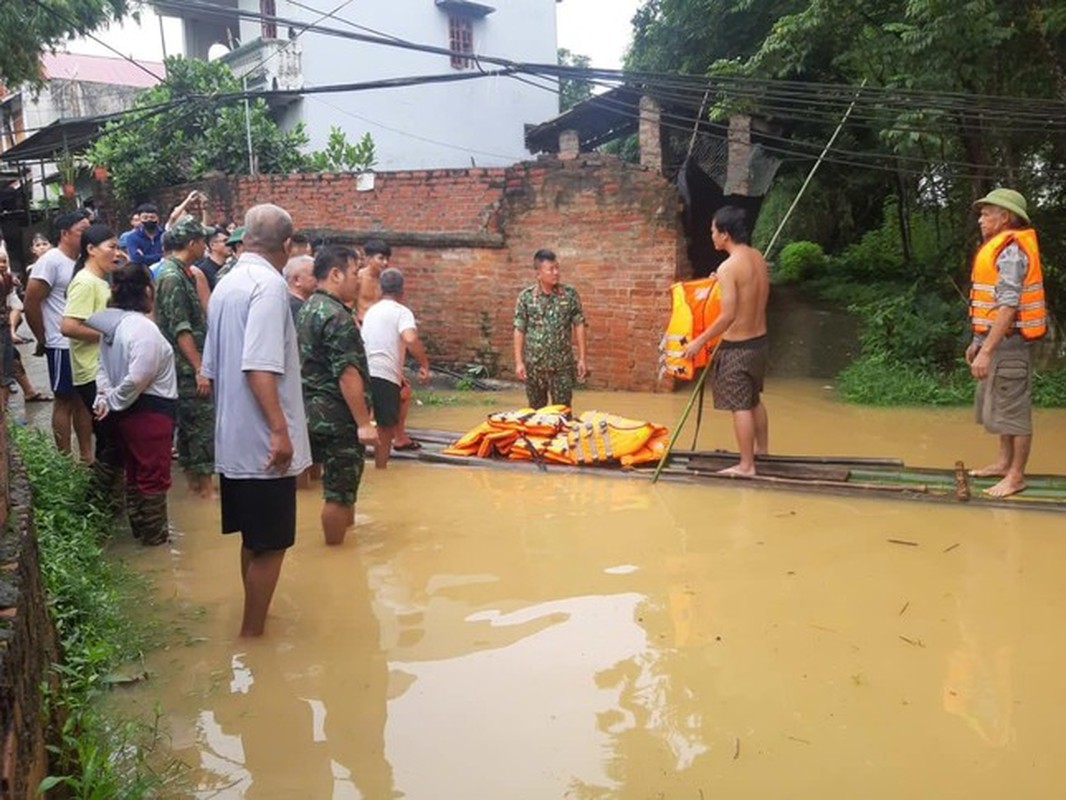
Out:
{"x": 739, "y": 366}
{"x": 547, "y": 319}
{"x": 1007, "y": 313}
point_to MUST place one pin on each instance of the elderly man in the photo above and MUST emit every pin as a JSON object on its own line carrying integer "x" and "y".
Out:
{"x": 336, "y": 384}
{"x": 181, "y": 319}
{"x": 299, "y": 277}
{"x": 251, "y": 355}
{"x": 547, "y": 318}
{"x": 1007, "y": 313}
{"x": 389, "y": 332}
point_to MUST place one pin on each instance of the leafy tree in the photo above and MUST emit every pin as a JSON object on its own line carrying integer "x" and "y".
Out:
{"x": 341, "y": 155}
{"x": 573, "y": 90}
{"x": 28, "y": 27}
{"x": 183, "y": 129}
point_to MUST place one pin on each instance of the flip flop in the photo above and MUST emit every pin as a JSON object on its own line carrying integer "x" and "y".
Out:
{"x": 411, "y": 445}
{"x": 37, "y": 397}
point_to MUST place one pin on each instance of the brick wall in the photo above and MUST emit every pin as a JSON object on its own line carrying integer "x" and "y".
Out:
{"x": 465, "y": 240}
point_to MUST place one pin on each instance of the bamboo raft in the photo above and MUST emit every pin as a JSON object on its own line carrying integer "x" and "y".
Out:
{"x": 833, "y": 475}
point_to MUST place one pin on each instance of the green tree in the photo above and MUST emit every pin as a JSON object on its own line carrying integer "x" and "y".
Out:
{"x": 185, "y": 127}
{"x": 29, "y": 27}
{"x": 573, "y": 90}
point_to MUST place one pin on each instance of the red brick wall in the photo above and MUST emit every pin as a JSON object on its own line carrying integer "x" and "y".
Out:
{"x": 465, "y": 240}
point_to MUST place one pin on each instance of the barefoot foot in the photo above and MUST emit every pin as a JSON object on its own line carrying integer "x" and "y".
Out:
{"x": 738, "y": 472}
{"x": 1006, "y": 487}
{"x": 991, "y": 471}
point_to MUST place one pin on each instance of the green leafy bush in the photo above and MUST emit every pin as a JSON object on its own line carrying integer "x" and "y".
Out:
{"x": 915, "y": 326}
{"x": 800, "y": 261}
{"x": 880, "y": 381}
{"x": 90, "y": 596}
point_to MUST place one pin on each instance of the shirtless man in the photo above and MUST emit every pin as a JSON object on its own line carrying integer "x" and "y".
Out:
{"x": 377, "y": 259}
{"x": 738, "y": 368}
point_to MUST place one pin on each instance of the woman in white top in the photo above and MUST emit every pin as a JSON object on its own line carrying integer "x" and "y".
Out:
{"x": 137, "y": 392}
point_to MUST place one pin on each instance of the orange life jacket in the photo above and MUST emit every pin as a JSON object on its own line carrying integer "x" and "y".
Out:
{"x": 1031, "y": 319}
{"x": 695, "y": 306}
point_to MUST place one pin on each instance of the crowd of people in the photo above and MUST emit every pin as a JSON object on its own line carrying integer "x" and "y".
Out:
{"x": 243, "y": 351}
{"x": 256, "y": 354}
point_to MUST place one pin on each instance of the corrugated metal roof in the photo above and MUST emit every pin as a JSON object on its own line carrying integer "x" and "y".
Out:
{"x": 100, "y": 69}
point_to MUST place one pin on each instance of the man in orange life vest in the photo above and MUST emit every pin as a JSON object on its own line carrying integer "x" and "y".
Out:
{"x": 1007, "y": 313}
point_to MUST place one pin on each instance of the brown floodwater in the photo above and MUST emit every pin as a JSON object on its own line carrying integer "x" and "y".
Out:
{"x": 510, "y": 634}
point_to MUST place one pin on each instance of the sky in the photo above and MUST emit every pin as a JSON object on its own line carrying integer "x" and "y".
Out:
{"x": 599, "y": 29}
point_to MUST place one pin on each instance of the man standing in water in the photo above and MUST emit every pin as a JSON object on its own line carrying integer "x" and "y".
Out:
{"x": 336, "y": 385}
{"x": 1007, "y": 313}
{"x": 547, "y": 318}
{"x": 261, "y": 445}
{"x": 739, "y": 367}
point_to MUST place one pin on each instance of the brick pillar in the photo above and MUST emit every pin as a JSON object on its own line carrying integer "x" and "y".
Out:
{"x": 651, "y": 148}
{"x": 569, "y": 144}
{"x": 738, "y": 169}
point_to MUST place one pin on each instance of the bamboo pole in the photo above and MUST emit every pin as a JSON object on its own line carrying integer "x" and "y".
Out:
{"x": 684, "y": 415}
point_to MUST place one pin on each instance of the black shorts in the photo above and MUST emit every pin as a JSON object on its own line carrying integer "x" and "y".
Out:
{"x": 264, "y": 511}
{"x": 386, "y": 396}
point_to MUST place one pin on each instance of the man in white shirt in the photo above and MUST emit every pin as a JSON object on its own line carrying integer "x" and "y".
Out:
{"x": 389, "y": 331}
{"x": 46, "y": 300}
{"x": 261, "y": 444}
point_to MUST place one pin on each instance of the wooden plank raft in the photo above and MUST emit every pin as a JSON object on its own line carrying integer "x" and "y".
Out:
{"x": 833, "y": 475}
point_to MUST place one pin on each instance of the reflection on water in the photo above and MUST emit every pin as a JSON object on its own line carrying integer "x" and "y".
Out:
{"x": 499, "y": 634}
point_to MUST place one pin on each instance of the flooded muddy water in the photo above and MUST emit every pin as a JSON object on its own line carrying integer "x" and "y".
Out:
{"x": 509, "y": 634}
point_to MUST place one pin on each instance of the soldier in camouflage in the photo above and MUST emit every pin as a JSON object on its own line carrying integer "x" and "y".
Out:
{"x": 236, "y": 245}
{"x": 182, "y": 321}
{"x": 336, "y": 384}
{"x": 547, "y": 319}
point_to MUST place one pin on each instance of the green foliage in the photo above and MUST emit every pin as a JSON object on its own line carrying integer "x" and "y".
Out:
{"x": 90, "y": 597}
{"x": 799, "y": 261}
{"x": 165, "y": 145}
{"x": 341, "y": 155}
{"x": 914, "y": 327}
{"x": 573, "y": 90}
{"x": 1049, "y": 388}
{"x": 28, "y": 28}
{"x": 879, "y": 381}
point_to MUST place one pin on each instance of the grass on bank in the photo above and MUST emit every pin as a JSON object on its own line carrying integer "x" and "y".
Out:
{"x": 92, "y": 599}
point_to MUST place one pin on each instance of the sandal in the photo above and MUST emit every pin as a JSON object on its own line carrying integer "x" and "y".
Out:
{"x": 411, "y": 445}
{"x": 37, "y": 397}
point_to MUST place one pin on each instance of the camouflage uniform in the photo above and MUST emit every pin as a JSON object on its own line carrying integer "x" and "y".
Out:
{"x": 178, "y": 310}
{"x": 329, "y": 343}
{"x": 548, "y": 321}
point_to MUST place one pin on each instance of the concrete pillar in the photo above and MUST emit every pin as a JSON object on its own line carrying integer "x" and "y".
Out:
{"x": 569, "y": 144}
{"x": 650, "y": 134}
{"x": 738, "y": 168}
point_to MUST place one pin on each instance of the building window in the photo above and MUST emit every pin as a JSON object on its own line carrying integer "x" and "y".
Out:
{"x": 269, "y": 8}
{"x": 461, "y": 34}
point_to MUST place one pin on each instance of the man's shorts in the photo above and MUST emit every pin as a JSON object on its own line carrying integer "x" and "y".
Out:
{"x": 1003, "y": 402}
{"x": 386, "y": 396}
{"x": 59, "y": 374}
{"x": 264, "y": 511}
{"x": 737, "y": 373}
{"x": 342, "y": 458}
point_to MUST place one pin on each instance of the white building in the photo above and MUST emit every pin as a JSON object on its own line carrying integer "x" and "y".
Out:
{"x": 453, "y": 124}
